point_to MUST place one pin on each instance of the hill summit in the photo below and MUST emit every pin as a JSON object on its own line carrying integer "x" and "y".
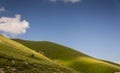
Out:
{"x": 71, "y": 58}
{"x": 24, "y": 56}
{"x": 17, "y": 58}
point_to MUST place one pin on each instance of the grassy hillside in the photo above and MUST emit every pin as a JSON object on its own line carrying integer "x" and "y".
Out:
{"x": 16, "y": 58}
{"x": 71, "y": 58}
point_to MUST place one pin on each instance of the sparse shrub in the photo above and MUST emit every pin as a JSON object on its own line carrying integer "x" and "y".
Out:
{"x": 32, "y": 56}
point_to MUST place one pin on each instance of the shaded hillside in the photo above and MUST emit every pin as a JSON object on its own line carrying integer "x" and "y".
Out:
{"x": 71, "y": 58}
{"x": 16, "y": 58}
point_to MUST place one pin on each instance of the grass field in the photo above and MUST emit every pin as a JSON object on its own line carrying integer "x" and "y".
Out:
{"x": 17, "y": 58}
{"x": 71, "y": 58}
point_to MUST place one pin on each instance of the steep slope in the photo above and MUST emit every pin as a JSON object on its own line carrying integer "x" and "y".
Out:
{"x": 16, "y": 58}
{"x": 71, "y": 58}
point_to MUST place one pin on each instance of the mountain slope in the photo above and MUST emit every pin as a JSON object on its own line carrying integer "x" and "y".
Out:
{"x": 71, "y": 58}
{"x": 16, "y": 58}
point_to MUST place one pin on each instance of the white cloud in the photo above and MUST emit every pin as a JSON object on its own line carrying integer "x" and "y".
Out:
{"x": 2, "y": 9}
{"x": 71, "y": 1}
{"x": 13, "y": 26}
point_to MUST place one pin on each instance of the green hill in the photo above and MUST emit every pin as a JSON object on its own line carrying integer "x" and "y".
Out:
{"x": 71, "y": 58}
{"x": 16, "y": 58}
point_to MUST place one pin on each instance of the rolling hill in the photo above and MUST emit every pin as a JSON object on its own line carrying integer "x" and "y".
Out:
{"x": 71, "y": 58}
{"x": 17, "y": 58}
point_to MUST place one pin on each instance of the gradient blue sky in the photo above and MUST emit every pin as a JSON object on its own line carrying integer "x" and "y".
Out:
{"x": 89, "y": 26}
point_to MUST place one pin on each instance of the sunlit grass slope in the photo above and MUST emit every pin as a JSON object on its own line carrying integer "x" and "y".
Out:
{"x": 16, "y": 58}
{"x": 71, "y": 58}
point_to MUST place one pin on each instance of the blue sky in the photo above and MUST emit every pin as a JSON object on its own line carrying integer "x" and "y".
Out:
{"x": 89, "y": 26}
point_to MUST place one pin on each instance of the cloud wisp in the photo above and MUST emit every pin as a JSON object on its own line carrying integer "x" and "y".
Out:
{"x": 66, "y": 1}
{"x": 13, "y": 26}
{"x": 72, "y": 1}
{"x": 2, "y": 9}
